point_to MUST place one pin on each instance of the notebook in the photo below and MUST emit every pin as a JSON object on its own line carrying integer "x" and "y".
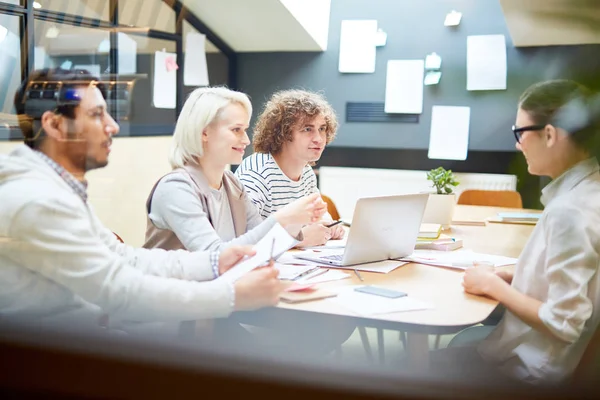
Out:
{"x": 430, "y": 231}
{"x": 443, "y": 243}
{"x": 516, "y": 218}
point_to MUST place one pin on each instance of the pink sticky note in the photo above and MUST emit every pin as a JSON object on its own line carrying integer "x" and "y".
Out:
{"x": 171, "y": 64}
{"x": 297, "y": 287}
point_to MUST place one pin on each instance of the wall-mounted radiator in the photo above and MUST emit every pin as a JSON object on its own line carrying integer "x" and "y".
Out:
{"x": 346, "y": 185}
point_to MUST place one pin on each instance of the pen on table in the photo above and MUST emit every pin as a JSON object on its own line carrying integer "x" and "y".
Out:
{"x": 358, "y": 274}
{"x": 313, "y": 274}
{"x": 334, "y": 223}
{"x": 305, "y": 273}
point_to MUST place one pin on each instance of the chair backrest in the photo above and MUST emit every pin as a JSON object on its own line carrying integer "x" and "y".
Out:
{"x": 495, "y": 198}
{"x": 331, "y": 208}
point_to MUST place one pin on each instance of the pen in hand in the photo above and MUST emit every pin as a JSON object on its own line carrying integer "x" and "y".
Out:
{"x": 334, "y": 223}
{"x": 272, "y": 249}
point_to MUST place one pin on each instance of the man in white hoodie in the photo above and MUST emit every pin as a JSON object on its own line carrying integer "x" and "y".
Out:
{"x": 58, "y": 263}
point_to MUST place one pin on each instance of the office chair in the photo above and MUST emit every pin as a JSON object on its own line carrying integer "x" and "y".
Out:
{"x": 494, "y": 198}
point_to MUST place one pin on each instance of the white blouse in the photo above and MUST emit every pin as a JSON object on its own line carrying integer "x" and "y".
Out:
{"x": 558, "y": 266}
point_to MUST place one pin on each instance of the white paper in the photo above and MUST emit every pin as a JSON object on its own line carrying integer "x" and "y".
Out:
{"x": 330, "y": 275}
{"x": 404, "y": 86}
{"x": 380, "y": 38}
{"x": 486, "y": 62}
{"x": 127, "y": 54}
{"x": 449, "y": 134}
{"x": 289, "y": 259}
{"x": 383, "y": 267}
{"x": 93, "y": 69}
{"x": 368, "y": 304}
{"x": 433, "y": 61}
{"x": 460, "y": 259}
{"x": 165, "y": 82}
{"x": 275, "y": 242}
{"x": 331, "y": 244}
{"x": 195, "y": 69}
{"x": 357, "y": 46}
{"x": 453, "y": 18}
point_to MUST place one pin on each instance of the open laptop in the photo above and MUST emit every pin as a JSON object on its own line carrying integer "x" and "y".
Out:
{"x": 383, "y": 228}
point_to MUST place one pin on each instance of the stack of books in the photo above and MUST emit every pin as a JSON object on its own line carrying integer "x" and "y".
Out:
{"x": 442, "y": 243}
{"x": 430, "y": 231}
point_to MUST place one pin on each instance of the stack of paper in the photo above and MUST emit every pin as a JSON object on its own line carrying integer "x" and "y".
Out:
{"x": 443, "y": 243}
{"x": 460, "y": 259}
{"x": 330, "y": 275}
{"x": 276, "y": 242}
{"x": 519, "y": 217}
{"x": 368, "y": 304}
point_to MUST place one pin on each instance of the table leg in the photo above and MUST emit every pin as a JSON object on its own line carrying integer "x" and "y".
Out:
{"x": 418, "y": 350}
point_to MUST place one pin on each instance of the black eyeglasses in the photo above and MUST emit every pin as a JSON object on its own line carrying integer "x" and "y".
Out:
{"x": 518, "y": 132}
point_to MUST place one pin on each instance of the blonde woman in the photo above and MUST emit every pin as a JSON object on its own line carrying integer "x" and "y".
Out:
{"x": 201, "y": 205}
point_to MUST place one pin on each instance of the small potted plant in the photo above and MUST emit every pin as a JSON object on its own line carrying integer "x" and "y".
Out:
{"x": 440, "y": 206}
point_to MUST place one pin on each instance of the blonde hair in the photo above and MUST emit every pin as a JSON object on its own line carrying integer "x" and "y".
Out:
{"x": 202, "y": 107}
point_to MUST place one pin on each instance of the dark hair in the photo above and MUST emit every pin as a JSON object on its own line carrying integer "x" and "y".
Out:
{"x": 565, "y": 104}
{"x": 285, "y": 110}
{"x": 30, "y": 126}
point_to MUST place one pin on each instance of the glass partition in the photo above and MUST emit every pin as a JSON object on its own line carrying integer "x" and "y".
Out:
{"x": 10, "y": 71}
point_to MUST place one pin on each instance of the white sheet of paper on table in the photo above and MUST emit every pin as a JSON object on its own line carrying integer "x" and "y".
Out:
{"x": 368, "y": 304}
{"x": 358, "y": 46}
{"x": 404, "y": 86}
{"x": 331, "y": 244}
{"x": 283, "y": 242}
{"x": 382, "y": 267}
{"x": 164, "y": 86}
{"x": 460, "y": 259}
{"x": 195, "y": 70}
{"x": 486, "y": 62}
{"x": 449, "y": 134}
{"x": 289, "y": 271}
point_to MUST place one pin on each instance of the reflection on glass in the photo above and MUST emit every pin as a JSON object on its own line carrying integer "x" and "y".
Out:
{"x": 154, "y": 14}
{"x": 15, "y": 2}
{"x": 10, "y": 69}
{"x": 217, "y": 62}
{"x": 94, "y": 9}
{"x": 66, "y": 46}
{"x": 145, "y": 118}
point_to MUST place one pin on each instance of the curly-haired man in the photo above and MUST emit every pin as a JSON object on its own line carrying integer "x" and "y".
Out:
{"x": 289, "y": 137}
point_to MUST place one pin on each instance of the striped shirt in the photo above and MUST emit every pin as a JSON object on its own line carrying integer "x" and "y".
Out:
{"x": 268, "y": 187}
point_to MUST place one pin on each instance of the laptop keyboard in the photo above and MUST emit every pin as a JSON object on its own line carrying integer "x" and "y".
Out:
{"x": 334, "y": 257}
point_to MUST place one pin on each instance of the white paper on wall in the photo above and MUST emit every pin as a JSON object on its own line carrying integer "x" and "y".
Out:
{"x": 127, "y": 48}
{"x": 404, "y": 86}
{"x": 358, "y": 46}
{"x": 165, "y": 80}
{"x": 449, "y": 136}
{"x": 486, "y": 62}
{"x": 195, "y": 70}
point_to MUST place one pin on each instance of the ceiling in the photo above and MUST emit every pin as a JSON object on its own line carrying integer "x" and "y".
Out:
{"x": 265, "y": 25}
{"x": 552, "y": 22}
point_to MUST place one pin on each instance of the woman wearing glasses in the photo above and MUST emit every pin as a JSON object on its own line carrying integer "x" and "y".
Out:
{"x": 552, "y": 297}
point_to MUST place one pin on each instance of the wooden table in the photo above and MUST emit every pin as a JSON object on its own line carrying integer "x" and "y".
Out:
{"x": 453, "y": 309}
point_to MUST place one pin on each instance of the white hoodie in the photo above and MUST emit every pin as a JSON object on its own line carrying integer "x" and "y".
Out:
{"x": 58, "y": 262}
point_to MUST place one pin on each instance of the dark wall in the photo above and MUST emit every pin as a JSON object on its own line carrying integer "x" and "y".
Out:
{"x": 415, "y": 28}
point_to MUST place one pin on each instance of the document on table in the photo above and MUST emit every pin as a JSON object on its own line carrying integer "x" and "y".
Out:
{"x": 331, "y": 244}
{"x": 460, "y": 259}
{"x": 368, "y": 304}
{"x": 274, "y": 243}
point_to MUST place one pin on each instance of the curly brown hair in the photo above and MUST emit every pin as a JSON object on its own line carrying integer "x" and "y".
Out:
{"x": 286, "y": 110}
